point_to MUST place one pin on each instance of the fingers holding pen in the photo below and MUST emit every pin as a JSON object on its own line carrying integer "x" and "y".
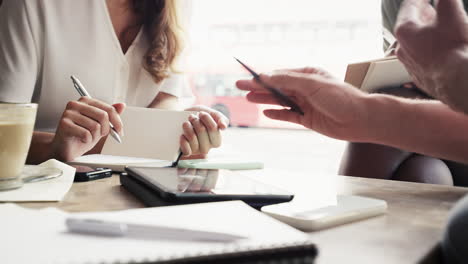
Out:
{"x": 95, "y": 120}
{"x": 83, "y": 124}
{"x": 111, "y": 113}
{"x": 305, "y": 70}
{"x": 94, "y": 128}
{"x": 293, "y": 83}
{"x": 68, "y": 128}
{"x": 250, "y": 85}
{"x": 274, "y": 78}
{"x": 263, "y": 98}
{"x": 290, "y": 84}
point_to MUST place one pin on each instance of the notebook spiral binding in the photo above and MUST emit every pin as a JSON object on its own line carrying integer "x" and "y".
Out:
{"x": 292, "y": 253}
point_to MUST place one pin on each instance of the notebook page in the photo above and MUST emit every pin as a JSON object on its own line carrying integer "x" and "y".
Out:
{"x": 149, "y": 133}
{"x": 46, "y": 240}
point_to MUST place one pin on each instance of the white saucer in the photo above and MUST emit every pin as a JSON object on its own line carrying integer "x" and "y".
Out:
{"x": 29, "y": 174}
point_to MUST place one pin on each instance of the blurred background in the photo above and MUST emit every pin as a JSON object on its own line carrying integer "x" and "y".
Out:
{"x": 268, "y": 35}
{"x": 274, "y": 34}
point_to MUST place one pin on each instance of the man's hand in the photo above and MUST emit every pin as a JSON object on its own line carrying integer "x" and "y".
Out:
{"x": 331, "y": 107}
{"x": 433, "y": 45}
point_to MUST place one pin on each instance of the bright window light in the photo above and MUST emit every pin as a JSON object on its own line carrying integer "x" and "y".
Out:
{"x": 274, "y": 34}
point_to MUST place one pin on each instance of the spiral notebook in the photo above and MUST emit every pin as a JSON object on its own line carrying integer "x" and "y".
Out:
{"x": 46, "y": 240}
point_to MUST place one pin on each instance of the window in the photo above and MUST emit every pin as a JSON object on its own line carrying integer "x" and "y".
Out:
{"x": 271, "y": 34}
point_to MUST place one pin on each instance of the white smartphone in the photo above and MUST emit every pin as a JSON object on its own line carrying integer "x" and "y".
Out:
{"x": 347, "y": 209}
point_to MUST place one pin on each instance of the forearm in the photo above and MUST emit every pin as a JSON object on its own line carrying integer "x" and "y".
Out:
{"x": 426, "y": 127}
{"x": 40, "y": 149}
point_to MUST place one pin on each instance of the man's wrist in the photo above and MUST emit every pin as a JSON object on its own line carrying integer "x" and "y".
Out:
{"x": 384, "y": 113}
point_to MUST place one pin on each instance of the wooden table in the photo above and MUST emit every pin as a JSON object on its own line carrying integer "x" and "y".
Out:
{"x": 406, "y": 234}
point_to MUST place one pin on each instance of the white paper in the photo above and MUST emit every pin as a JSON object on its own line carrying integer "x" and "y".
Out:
{"x": 384, "y": 74}
{"x": 46, "y": 240}
{"x": 44, "y": 191}
{"x": 149, "y": 133}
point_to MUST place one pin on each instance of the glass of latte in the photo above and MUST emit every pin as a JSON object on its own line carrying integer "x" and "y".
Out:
{"x": 16, "y": 129}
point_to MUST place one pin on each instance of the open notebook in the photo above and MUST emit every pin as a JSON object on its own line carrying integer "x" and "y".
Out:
{"x": 118, "y": 163}
{"x": 46, "y": 239}
{"x": 151, "y": 138}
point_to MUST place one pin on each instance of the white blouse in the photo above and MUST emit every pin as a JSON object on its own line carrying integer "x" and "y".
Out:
{"x": 44, "y": 42}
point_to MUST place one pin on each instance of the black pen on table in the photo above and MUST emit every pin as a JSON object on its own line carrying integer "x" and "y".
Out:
{"x": 280, "y": 96}
{"x": 82, "y": 91}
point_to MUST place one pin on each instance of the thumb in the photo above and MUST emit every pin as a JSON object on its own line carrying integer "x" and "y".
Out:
{"x": 119, "y": 107}
{"x": 450, "y": 12}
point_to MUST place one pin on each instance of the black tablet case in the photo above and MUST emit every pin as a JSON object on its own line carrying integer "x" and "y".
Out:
{"x": 152, "y": 198}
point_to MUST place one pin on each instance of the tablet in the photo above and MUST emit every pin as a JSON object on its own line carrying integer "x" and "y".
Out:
{"x": 182, "y": 185}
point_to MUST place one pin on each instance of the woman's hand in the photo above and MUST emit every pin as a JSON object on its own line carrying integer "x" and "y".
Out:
{"x": 83, "y": 124}
{"x": 331, "y": 107}
{"x": 202, "y": 131}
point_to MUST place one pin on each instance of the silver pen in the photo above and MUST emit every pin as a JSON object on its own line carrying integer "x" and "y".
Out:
{"x": 82, "y": 91}
{"x": 121, "y": 229}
